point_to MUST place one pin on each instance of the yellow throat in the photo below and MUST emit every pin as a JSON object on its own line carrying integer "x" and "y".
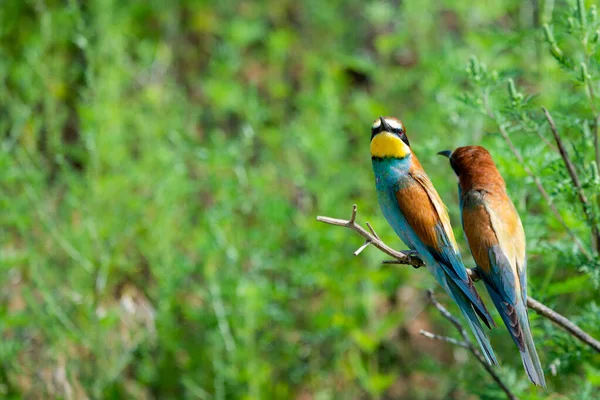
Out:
{"x": 387, "y": 144}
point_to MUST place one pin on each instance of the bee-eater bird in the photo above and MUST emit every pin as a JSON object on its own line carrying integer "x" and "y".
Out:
{"x": 413, "y": 208}
{"x": 497, "y": 242}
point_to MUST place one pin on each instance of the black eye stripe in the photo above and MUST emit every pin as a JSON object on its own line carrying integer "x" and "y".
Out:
{"x": 403, "y": 137}
{"x": 395, "y": 131}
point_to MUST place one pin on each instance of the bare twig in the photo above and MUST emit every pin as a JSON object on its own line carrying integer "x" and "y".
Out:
{"x": 353, "y": 216}
{"x": 564, "y": 323}
{"x": 587, "y": 208}
{"x": 536, "y": 179}
{"x": 543, "y": 139}
{"x": 361, "y": 248}
{"x": 411, "y": 258}
{"x": 448, "y": 316}
{"x": 372, "y": 230}
{"x": 469, "y": 344}
{"x": 592, "y": 101}
{"x": 435, "y": 336}
{"x": 407, "y": 258}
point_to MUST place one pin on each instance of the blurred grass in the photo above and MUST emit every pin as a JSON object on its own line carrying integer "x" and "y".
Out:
{"x": 162, "y": 165}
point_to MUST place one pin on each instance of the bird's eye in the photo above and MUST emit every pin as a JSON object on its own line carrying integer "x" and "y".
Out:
{"x": 403, "y": 137}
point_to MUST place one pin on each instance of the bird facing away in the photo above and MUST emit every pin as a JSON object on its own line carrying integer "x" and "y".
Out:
{"x": 497, "y": 242}
{"x": 413, "y": 208}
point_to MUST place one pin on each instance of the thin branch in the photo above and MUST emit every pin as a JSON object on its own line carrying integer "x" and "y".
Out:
{"x": 361, "y": 248}
{"x": 587, "y": 208}
{"x": 372, "y": 230}
{"x": 470, "y": 345}
{"x": 441, "y": 338}
{"x": 535, "y": 178}
{"x": 564, "y": 323}
{"x": 398, "y": 262}
{"x": 404, "y": 257}
{"x": 592, "y": 100}
{"x": 546, "y": 141}
{"x": 411, "y": 258}
{"x": 353, "y": 216}
{"x": 446, "y": 314}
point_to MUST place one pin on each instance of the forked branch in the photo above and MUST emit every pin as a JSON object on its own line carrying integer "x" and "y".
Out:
{"x": 400, "y": 257}
{"x": 411, "y": 258}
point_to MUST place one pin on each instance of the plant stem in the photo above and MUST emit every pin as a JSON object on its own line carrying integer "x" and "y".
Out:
{"x": 587, "y": 208}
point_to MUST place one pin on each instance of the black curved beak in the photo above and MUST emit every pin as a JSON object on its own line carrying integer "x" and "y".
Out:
{"x": 445, "y": 153}
{"x": 384, "y": 125}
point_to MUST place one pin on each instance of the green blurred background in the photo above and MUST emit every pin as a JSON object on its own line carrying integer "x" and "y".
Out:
{"x": 163, "y": 163}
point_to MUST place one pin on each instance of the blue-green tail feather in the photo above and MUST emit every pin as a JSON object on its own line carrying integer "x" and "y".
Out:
{"x": 516, "y": 320}
{"x": 510, "y": 303}
{"x": 467, "y": 310}
{"x": 529, "y": 355}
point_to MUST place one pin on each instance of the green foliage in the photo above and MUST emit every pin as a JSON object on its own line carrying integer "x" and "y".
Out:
{"x": 162, "y": 165}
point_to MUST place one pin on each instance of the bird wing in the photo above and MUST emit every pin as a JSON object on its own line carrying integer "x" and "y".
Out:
{"x": 507, "y": 225}
{"x": 497, "y": 242}
{"x": 426, "y": 214}
{"x": 496, "y": 239}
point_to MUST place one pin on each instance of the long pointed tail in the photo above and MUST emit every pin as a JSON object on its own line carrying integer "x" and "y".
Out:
{"x": 517, "y": 322}
{"x": 483, "y": 341}
{"x": 529, "y": 355}
{"x": 467, "y": 310}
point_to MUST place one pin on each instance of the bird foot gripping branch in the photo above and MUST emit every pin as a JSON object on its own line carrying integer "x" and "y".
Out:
{"x": 408, "y": 257}
{"x": 411, "y": 258}
{"x": 404, "y": 257}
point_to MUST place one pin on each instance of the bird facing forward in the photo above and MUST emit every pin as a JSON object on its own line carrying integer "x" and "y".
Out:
{"x": 413, "y": 208}
{"x": 497, "y": 242}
